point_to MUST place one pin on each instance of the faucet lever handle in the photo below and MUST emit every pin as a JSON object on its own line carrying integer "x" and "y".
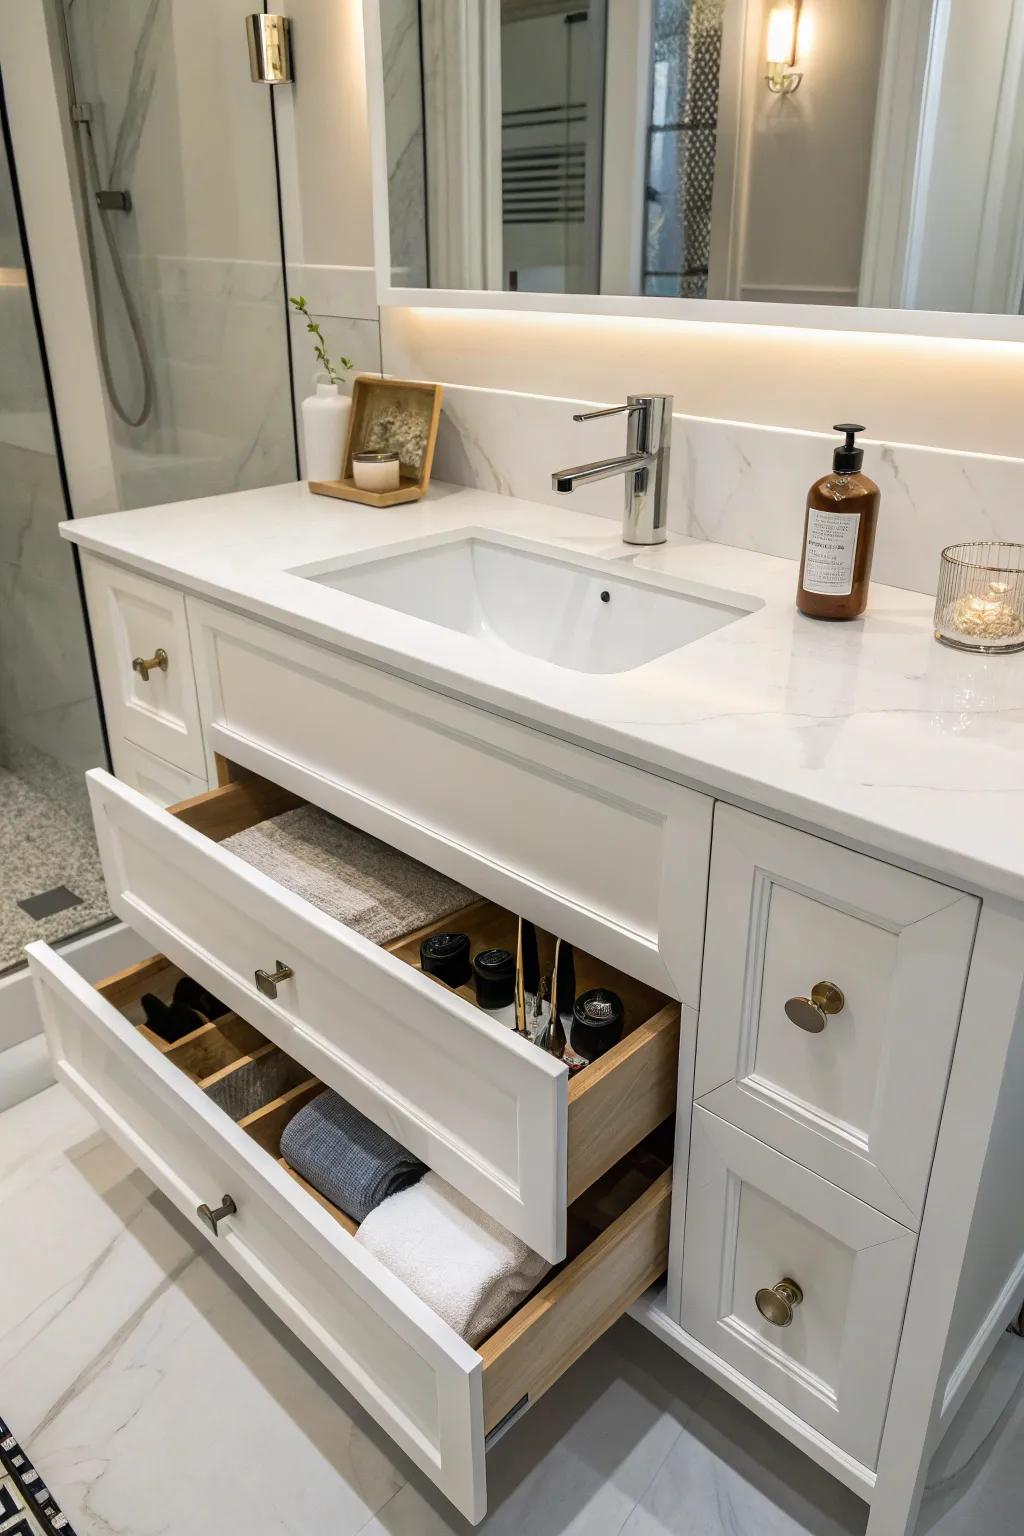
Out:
{"x": 608, "y": 410}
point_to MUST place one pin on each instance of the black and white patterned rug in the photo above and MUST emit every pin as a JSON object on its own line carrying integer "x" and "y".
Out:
{"x": 27, "y": 1508}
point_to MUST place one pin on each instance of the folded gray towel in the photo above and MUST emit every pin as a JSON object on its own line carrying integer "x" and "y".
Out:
{"x": 348, "y": 874}
{"x": 346, "y": 1157}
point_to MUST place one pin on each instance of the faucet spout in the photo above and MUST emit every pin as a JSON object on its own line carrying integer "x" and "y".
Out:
{"x": 644, "y": 466}
{"x": 565, "y": 480}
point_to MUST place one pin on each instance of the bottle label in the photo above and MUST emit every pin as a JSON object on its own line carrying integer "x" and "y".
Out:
{"x": 831, "y": 547}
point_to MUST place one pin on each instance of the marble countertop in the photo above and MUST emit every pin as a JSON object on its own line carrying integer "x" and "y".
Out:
{"x": 868, "y": 730}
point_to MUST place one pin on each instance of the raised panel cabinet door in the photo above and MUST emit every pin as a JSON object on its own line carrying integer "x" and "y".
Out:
{"x": 144, "y": 657}
{"x": 797, "y": 1285}
{"x": 829, "y": 1007}
{"x": 611, "y": 858}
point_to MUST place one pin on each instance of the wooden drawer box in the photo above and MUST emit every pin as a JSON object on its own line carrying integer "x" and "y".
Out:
{"x": 435, "y": 1396}
{"x": 858, "y": 1101}
{"x": 754, "y": 1219}
{"x": 609, "y": 857}
{"x": 487, "y": 1109}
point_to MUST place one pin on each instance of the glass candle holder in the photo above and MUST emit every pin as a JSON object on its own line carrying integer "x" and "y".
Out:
{"x": 979, "y": 605}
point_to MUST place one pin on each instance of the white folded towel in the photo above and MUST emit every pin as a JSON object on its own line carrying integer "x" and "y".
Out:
{"x": 460, "y": 1261}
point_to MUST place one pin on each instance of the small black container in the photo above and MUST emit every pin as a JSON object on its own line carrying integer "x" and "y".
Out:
{"x": 446, "y": 956}
{"x": 494, "y": 972}
{"x": 596, "y": 1022}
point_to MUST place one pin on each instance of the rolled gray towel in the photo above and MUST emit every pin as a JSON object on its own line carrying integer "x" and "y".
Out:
{"x": 346, "y": 1157}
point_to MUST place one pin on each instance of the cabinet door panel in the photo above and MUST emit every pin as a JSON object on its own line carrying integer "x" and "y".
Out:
{"x": 754, "y": 1219}
{"x": 858, "y": 1102}
{"x": 133, "y": 616}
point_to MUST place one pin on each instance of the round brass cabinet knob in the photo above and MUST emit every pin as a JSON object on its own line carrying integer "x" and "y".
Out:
{"x": 777, "y": 1302}
{"x": 811, "y": 1013}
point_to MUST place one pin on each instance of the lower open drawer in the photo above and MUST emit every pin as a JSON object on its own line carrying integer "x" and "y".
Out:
{"x": 437, "y": 1397}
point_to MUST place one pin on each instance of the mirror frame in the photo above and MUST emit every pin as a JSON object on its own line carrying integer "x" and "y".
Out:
{"x": 957, "y": 325}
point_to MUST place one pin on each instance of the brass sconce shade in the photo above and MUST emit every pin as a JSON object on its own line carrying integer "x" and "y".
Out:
{"x": 780, "y": 50}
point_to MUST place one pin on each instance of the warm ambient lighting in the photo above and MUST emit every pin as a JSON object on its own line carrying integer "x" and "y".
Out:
{"x": 783, "y": 26}
{"x": 13, "y": 277}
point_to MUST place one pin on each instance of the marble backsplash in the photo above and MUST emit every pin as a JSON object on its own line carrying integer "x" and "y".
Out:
{"x": 733, "y": 483}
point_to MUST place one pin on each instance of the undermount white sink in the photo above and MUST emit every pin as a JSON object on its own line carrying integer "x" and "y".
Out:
{"x": 584, "y": 615}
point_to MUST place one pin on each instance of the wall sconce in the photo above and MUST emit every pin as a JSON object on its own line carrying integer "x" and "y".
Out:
{"x": 783, "y": 27}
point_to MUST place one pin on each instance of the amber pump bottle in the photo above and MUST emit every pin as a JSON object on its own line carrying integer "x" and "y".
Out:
{"x": 839, "y": 536}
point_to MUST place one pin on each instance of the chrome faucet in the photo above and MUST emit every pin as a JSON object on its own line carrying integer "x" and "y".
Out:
{"x": 644, "y": 464}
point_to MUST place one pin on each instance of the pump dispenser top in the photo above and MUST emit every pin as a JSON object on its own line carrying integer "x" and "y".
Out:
{"x": 848, "y": 459}
{"x": 839, "y": 535}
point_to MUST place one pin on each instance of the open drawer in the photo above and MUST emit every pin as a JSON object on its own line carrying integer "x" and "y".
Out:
{"x": 173, "y": 1109}
{"x": 484, "y": 1107}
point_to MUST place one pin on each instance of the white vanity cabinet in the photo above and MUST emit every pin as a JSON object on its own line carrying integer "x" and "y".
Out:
{"x": 608, "y": 857}
{"x": 837, "y": 1036}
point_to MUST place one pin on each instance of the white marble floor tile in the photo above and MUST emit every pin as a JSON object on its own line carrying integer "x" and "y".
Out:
{"x": 728, "y": 1474}
{"x": 985, "y": 1496}
{"x": 157, "y": 1394}
{"x": 159, "y": 1397}
{"x": 577, "y": 1463}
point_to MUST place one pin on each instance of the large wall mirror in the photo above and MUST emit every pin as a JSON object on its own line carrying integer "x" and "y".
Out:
{"x": 838, "y": 153}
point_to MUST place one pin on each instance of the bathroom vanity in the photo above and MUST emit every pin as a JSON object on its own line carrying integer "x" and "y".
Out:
{"x": 788, "y": 840}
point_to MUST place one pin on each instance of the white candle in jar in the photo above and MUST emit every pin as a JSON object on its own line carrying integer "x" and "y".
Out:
{"x": 376, "y": 471}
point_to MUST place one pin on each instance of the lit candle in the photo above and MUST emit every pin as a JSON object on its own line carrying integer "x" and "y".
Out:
{"x": 988, "y": 615}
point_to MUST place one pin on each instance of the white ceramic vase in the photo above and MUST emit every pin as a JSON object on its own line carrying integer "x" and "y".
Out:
{"x": 324, "y": 429}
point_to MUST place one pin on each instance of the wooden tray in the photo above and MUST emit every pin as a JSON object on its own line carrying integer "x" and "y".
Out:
{"x": 389, "y": 415}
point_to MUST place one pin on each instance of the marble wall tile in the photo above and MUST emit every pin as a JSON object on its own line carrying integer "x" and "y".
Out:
{"x": 22, "y": 386}
{"x": 346, "y": 291}
{"x": 734, "y": 483}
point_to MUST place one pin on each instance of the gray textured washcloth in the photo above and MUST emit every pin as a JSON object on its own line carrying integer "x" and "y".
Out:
{"x": 346, "y": 1157}
{"x": 351, "y": 876}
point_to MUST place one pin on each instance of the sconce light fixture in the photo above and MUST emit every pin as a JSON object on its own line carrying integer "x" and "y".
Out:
{"x": 783, "y": 27}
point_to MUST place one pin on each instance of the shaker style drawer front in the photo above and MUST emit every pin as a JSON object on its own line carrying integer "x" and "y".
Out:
{"x": 612, "y": 859}
{"x": 144, "y": 658}
{"x": 158, "y": 780}
{"x": 830, "y": 1002}
{"x": 797, "y": 1285}
{"x": 481, "y": 1105}
{"x": 436, "y": 1396}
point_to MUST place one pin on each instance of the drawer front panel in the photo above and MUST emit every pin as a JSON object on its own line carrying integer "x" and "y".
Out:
{"x": 484, "y": 1108}
{"x": 159, "y": 781}
{"x": 133, "y": 616}
{"x": 610, "y": 858}
{"x": 754, "y": 1219}
{"x": 417, "y": 1378}
{"x": 859, "y": 1101}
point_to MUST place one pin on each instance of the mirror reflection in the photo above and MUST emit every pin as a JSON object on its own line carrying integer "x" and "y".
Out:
{"x": 834, "y": 152}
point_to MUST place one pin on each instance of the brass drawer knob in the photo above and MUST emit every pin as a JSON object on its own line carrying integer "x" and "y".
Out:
{"x": 227, "y": 1207}
{"x": 267, "y": 980}
{"x": 144, "y": 665}
{"x": 776, "y": 1303}
{"x": 812, "y": 1013}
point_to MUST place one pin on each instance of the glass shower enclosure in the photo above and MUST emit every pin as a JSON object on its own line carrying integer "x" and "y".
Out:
{"x": 172, "y": 166}
{"x": 51, "y": 885}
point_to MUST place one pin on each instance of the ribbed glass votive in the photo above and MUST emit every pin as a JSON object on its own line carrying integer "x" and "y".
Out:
{"x": 979, "y": 605}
